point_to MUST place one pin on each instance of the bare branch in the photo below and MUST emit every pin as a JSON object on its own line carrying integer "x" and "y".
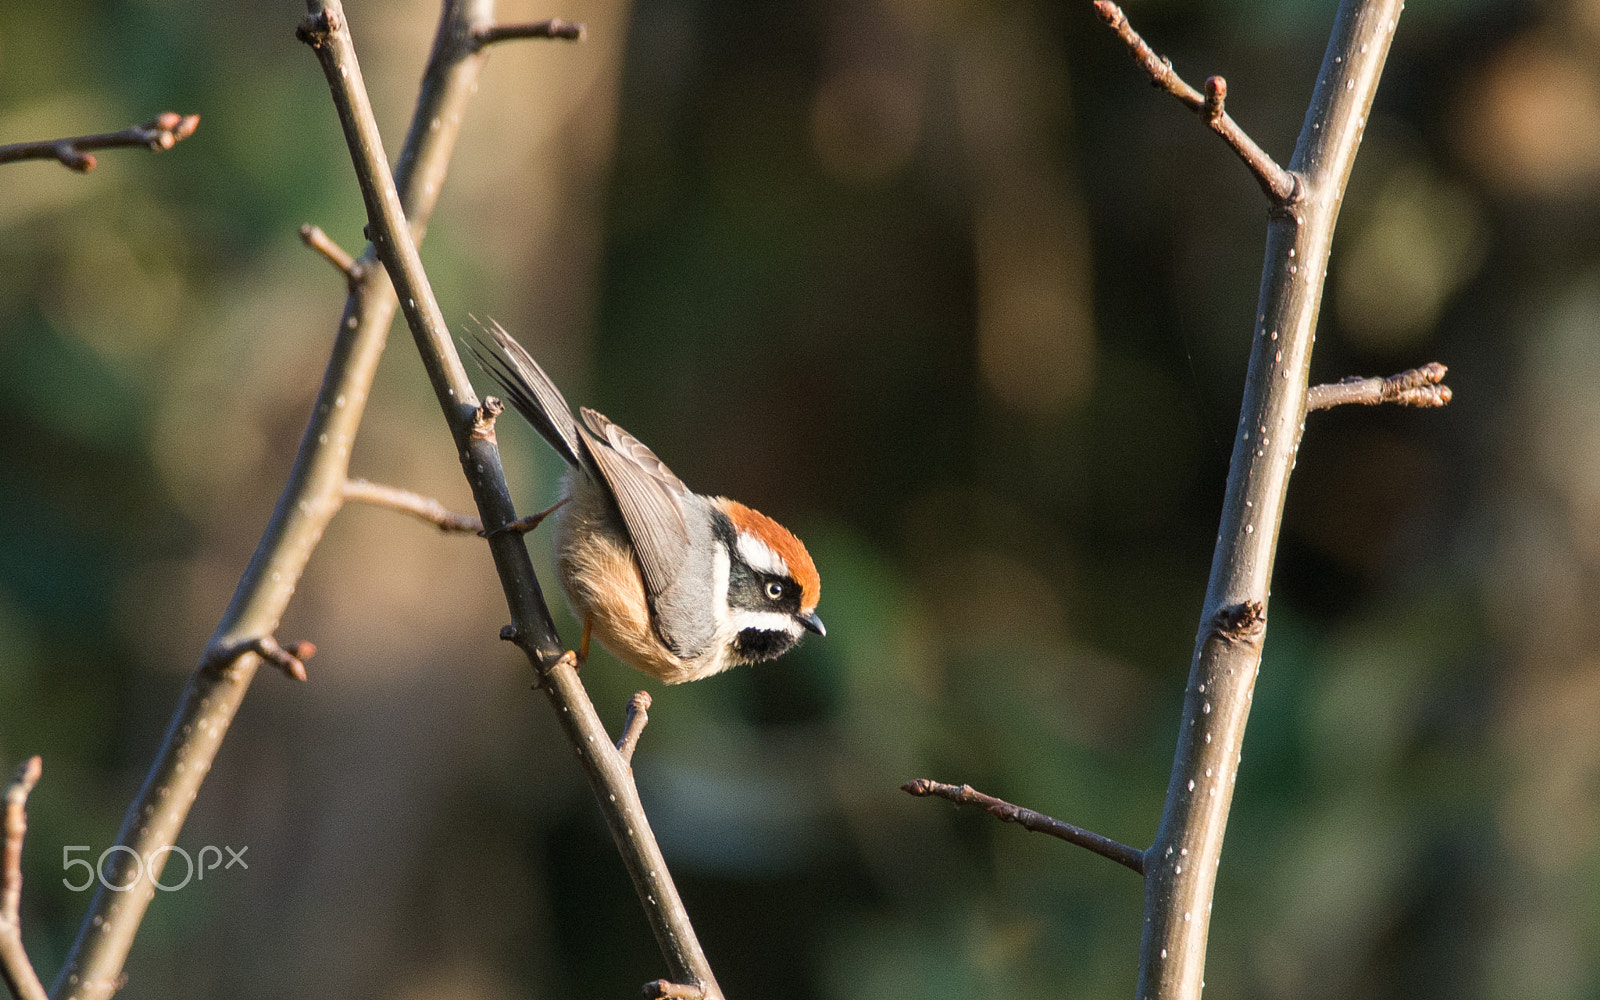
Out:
{"x": 1417, "y": 387}
{"x": 326, "y": 30}
{"x": 1181, "y": 867}
{"x": 554, "y": 28}
{"x": 633, "y": 726}
{"x": 167, "y": 130}
{"x": 352, "y": 269}
{"x": 15, "y": 967}
{"x": 1278, "y": 183}
{"x": 407, "y": 502}
{"x": 523, "y": 525}
{"x": 308, "y": 502}
{"x": 1122, "y": 854}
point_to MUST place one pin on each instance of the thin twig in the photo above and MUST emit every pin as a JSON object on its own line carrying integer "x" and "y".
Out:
{"x": 1038, "y": 822}
{"x": 1181, "y": 870}
{"x": 167, "y": 130}
{"x": 523, "y": 525}
{"x": 407, "y": 502}
{"x": 570, "y": 31}
{"x": 1278, "y": 183}
{"x": 308, "y": 502}
{"x": 15, "y": 967}
{"x": 633, "y": 726}
{"x": 327, "y": 32}
{"x": 352, "y": 269}
{"x": 661, "y": 989}
{"x": 1418, "y": 387}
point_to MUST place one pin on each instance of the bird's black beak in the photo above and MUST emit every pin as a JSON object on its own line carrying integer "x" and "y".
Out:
{"x": 812, "y": 623}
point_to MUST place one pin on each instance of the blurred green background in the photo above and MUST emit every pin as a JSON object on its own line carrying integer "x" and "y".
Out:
{"x": 947, "y": 288}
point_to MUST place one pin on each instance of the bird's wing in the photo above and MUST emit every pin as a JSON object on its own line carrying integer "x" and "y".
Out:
{"x": 648, "y": 496}
{"x": 530, "y": 390}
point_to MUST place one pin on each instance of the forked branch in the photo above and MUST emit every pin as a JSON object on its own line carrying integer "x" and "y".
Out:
{"x": 15, "y": 967}
{"x": 1038, "y": 822}
{"x": 1278, "y": 183}
{"x": 165, "y": 131}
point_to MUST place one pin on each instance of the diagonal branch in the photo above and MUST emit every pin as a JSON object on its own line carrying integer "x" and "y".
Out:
{"x": 1422, "y": 387}
{"x": 327, "y": 32}
{"x": 167, "y": 130}
{"x": 14, "y": 965}
{"x": 1278, "y": 183}
{"x": 418, "y": 506}
{"x": 352, "y": 269}
{"x": 1038, "y": 822}
{"x": 309, "y": 500}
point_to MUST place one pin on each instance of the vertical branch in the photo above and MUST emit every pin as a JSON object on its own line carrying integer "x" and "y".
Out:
{"x": 327, "y": 32}
{"x": 1181, "y": 866}
{"x": 308, "y": 502}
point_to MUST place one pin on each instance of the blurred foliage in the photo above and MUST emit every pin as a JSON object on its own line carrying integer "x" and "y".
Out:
{"x": 948, "y": 289}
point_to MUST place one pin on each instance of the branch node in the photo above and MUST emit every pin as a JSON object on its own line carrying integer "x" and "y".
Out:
{"x": 661, "y": 989}
{"x": 1245, "y": 622}
{"x": 290, "y": 659}
{"x": 316, "y": 28}
{"x": 1216, "y": 95}
{"x": 72, "y": 159}
{"x": 571, "y": 31}
{"x": 633, "y": 727}
{"x": 483, "y": 420}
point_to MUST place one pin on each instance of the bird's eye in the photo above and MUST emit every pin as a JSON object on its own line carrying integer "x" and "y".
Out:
{"x": 774, "y": 591}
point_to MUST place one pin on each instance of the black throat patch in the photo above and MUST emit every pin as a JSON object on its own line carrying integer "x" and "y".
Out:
{"x": 755, "y": 644}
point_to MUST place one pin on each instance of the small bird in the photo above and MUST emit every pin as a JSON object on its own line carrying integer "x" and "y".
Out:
{"x": 675, "y": 584}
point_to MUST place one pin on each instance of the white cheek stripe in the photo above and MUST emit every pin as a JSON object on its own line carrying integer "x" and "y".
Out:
{"x": 760, "y": 555}
{"x": 766, "y": 621}
{"x": 721, "y": 569}
{"x": 734, "y": 622}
